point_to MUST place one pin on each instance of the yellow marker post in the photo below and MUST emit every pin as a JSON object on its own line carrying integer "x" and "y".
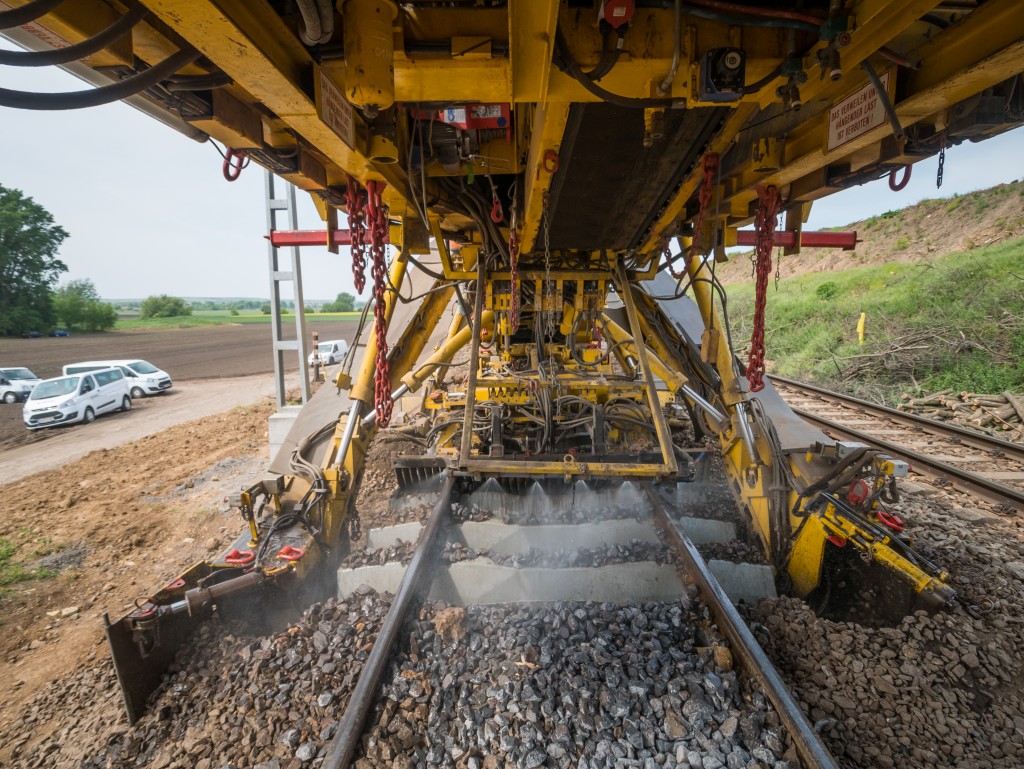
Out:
{"x": 860, "y": 327}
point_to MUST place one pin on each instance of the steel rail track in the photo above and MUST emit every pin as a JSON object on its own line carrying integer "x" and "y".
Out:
{"x": 962, "y": 435}
{"x": 813, "y": 753}
{"x": 751, "y": 656}
{"x": 926, "y": 465}
{"x": 364, "y": 696}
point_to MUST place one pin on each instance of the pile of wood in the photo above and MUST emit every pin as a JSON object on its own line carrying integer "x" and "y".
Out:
{"x": 999, "y": 415}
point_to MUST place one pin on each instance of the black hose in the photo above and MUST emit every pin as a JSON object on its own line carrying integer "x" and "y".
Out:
{"x": 883, "y": 95}
{"x": 77, "y": 51}
{"x": 28, "y": 12}
{"x": 609, "y": 56}
{"x": 568, "y": 65}
{"x": 106, "y": 94}
{"x": 735, "y": 19}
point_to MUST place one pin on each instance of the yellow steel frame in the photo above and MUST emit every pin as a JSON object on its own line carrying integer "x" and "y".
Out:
{"x": 279, "y": 100}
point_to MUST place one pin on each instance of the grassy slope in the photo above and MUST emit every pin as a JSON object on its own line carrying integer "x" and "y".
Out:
{"x": 955, "y": 321}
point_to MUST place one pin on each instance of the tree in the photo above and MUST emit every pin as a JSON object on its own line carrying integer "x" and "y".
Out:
{"x": 265, "y": 308}
{"x": 99, "y": 316}
{"x": 77, "y": 305}
{"x": 29, "y": 266}
{"x": 164, "y": 306}
{"x": 344, "y": 302}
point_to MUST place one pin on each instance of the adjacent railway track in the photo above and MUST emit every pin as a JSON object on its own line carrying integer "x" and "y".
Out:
{"x": 947, "y": 454}
{"x": 751, "y": 660}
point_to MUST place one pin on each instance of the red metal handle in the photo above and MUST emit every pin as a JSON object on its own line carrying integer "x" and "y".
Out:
{"x": 234, "y": 162}
{"x": 240, "y": 557}
{"x": 289, "y": 553}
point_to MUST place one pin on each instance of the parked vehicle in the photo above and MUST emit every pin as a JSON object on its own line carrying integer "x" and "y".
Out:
{"x": 331, "y": 352}
{"x": 16, "y": 384}
{"x": 31, "y": 335}
{"x": 77, "y": 398}
{"x": 60, "y": 332}
{"x": 143, "y": 377}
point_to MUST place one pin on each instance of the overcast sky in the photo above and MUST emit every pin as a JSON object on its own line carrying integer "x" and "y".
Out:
{"x": 149, "y": 212}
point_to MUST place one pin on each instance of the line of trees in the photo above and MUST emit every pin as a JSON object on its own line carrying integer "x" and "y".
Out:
{"x": 29, "y": 267}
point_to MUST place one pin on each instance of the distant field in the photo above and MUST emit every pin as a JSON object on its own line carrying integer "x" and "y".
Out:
{"x": 224, "y": 317}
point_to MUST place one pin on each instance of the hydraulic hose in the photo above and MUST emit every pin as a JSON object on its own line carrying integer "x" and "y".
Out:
{"x": 28, "y": 12}
{"x": 106, "y": 94}
{"x": 665, "y": 86}
{"x": 609, "y": 57}
{"x": 77, "y": 51}
{"x": 568, "y": 65}
{"x": 883, "y": 95}
{"x": 318, "y": 21}
{"x": 738, "y": 19}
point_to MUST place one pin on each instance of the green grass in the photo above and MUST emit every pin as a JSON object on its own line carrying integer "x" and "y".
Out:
{"x": 222, "y": 317}
{"x": 13, "y": 572}
{"x": 959, "y": 320}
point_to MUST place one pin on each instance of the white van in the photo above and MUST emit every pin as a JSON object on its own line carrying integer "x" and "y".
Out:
{"x": 330, "y": 352}
{"x": 16, "y": 383}
{"x": 143, "y": 377}
{"x": 77, "y": 398}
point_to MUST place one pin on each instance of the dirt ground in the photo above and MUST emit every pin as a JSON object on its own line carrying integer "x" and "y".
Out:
{"x": 111, "y": 535}
{"x": 202, "y": 353}
{"x": 184, "y": 353}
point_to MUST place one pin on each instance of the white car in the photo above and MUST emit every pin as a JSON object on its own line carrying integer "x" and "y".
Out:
{"x": 331, "y": 352}
{"x": 143, "y": 377}
{"x": 77, "y": 398}
{"x": 16, "y": 384}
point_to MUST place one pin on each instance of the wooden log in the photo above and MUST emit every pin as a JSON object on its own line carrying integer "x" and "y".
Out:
{"x": 1017, "y": 401}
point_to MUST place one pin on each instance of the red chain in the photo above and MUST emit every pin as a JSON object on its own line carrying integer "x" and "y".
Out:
{"x": 769, "y": 205}
{"x": 707, "y": 193}
{"x": 513, "y": 260}
{"x": 377, "y": 219}
{"x": 355, "y": 202}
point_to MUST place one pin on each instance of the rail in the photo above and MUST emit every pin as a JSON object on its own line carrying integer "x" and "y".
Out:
{"x": 364, "y": 696}
{"x": 922, "y": 463}
{"x": 963, "y": 435}
{"x": 813, "y": 753}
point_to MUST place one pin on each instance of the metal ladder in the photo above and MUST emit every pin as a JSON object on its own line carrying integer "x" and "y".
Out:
{"x": 284, "y": 207}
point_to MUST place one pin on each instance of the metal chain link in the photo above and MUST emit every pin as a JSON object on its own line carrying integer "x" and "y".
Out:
{"x": 942, "y": 164}
{"x": 549, "y": 321}
{"x": 513, "y": 262}
{"x": 707, "y": 192}
{"x": 769, "y": 205}
{"x": 355, "y": 202}
{"x": 377, "y": 219}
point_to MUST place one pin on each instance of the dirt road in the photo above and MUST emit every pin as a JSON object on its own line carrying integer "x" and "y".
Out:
{"x": 185, "y": 353}
{"x": 192, "y": 399}
{"x": 239, "y": 356}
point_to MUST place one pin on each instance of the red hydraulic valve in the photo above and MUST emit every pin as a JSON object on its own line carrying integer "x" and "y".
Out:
{"x": 284, "y": 238}
{"x": 787, "y": 239}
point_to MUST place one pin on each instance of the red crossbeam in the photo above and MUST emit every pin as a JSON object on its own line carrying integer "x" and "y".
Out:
{"x": 284, "y": 238}
{"x": 787, "y": 239}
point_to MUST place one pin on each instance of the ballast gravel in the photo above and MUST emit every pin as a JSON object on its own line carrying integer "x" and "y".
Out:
{"x": 569, "y": 685}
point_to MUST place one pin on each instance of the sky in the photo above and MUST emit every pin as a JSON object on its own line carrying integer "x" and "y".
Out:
{"x": 149, "y": 212}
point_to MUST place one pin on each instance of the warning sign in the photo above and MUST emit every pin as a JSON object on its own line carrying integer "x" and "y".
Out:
{"x": 335, "y": 110}
{"x": 856, "y": 114}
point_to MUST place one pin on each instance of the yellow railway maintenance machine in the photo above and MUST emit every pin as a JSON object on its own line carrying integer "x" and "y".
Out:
{"x": 577, "y": 164}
